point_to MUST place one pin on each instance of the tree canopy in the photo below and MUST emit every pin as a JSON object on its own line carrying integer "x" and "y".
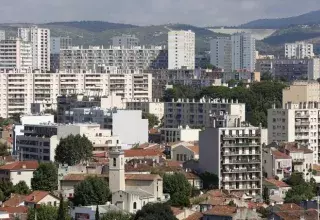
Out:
{"x": 4, "y": 149}
{"x": 210, "y": 180}
{"x": 21, "y": 188}
{"x": 73, "y": 150}
{"x": 155, "y": 211}
{"x": 116, "y": 215}
{"x": 178, "y": 187}
{"x": 92, "y": 191}
{"x": 45, "y": 177}
{"x": 44, "y": 212}
{"x": 152, "y": 119}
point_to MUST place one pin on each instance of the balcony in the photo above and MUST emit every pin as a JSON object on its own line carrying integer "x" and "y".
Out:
{"x": 244, "y": 161}
{"x": 302, "y": 137}
{"x": 241, "y": 170}
{"x": 297, "y": 160}
{"x": 299, "y": 115}
{"x": 244, "y": 188}
{"x": 240, "y": 180}
{"x": 302, "y": 122}
{"x": 241, "y": 154}
{"x": 234, "y": 136}
{"x": 241, "y": 144}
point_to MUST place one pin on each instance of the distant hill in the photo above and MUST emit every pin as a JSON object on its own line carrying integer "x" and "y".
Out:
{"x": 308, "y": 18}
{"x": 93, "y": 26}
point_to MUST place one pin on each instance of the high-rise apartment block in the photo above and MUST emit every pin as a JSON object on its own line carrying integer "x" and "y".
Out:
{"x": 125, "y": 41}
{"x": 57, "y": 44}
{"x": 220, "y": 53}
{"x": 298, "y": 50}
{"x": 40, "y": 40}
{"x": 21, "y": 88}
{"x": 199, "y": 114}
{"x": 93, "y": 58}
{"x": 237, "y": 52}
{"x": 181, "y": 50}
{"x": 233, "y": 152}
{"x": 296, "y": 123}
{"x": 15, "y": 54}
{"x": 2, "y": 35}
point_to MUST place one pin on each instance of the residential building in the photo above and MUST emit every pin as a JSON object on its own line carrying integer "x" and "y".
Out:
{"x": 277, "y": 190}
{"x": 179, "y": 134}
{"x": 128, "y": 125}
{"x": 194, "y": 180}
{"x": 2, "y": 35}
{"x": 276, "y": 163}
{"x": 40, "y": 41}
{"x": 288, "y": 210}
{"x": 181, "y": 50}
{"x": 295, "y": 123}
{"x": 199, "y": 114}
{"x": 243, "y": 49}
{"x": 37, "y": 198}
{"x": 15, "y": 54}
{"x": 89, "y": 212}
{"x": 56, "y": 44}
{"x": 221, "y": 53}
{"x": 132, "y": 191}
{"x": 39, "y": 142}
{"x": 230, "y": 213}
{"x": 20, "y": 89}
{"x": 233, "y": 152}
{"x": 125, "y": 41}
{"x": 260, "y": 56}
{"x": 143, "y": 154}
{"x": 242, "y": 75}
{"x": 147, "y": 106}
{"x": 298, "y": 50}
{"x": 18, "y": 171}
{"x": 301, "y": 92}
{"x": 290, "y": 69}
{"x": 185, "y": 151}
{"x": 94, "y": 57}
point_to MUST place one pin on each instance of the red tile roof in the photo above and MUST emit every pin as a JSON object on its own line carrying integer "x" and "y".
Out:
{"x": 195, "y": 216}
{"x": 173, "y": 163}
{"x": 36, "y": 196}
{"x": 194, "y": 148}
{"x": 279, "y": 155}
{"x": 100, "y": 154}
{"x": 80, "y": 177}
{"x": 14, "y": 201}
{"x": 146, "y": 177}
{"x": 21, "y": 165}
{"x": 142, "y": 153}
{"x": 310, "y": 214}
{"x": 277, "y": 183}
{"x": 222, "y": 210}
{"x": 13, "y": 210}
{"x": 294, "y": 147}
{"x": 190, "y": 176}
{"x": 176, "y": 211}
{"x": 289, "y": 207}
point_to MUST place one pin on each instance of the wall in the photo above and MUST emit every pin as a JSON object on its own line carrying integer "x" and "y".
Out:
{"x": 189, "y": 134}
{"x": 185, "y": 154}
{"x": 147, "y": 186}
{"x": 26, "y": 176}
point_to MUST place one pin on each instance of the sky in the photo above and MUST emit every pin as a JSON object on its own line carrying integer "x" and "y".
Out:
{"x": 153, "y": 12}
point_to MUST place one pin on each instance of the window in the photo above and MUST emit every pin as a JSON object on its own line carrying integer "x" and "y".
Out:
{"x": 177, "y": 157}
{"x": 55, "y": 203}
{"x": 114, "y": 162}
{"x": 134, "y": 205}
{"x": 19, "y": 173}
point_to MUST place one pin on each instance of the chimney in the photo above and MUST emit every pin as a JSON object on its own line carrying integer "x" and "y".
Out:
{"x": 33, "y": 198}
{"x": 24, "y": 166}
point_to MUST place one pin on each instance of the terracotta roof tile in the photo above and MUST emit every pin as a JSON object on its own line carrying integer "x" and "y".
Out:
{"x": 190, "y": 175}
{"x": 294, "y": 147}
{"x": 194, "y": 148}
{"x": 222, "y": 210}
{"x": 36, "y": 196}
{"x": 214, "y": 200}
{"x": 289, "y": 207}
{"x": 309, "y": 214}
{"x": 173, "y": 163}
{"x": 21, "y": 165}
{"x": 195, "y": 216}
{"x": 142, "y": 153}
{"x": 176, "y": 211}
{"x": 146, "y": 177}
{"x": 216, "y": 193}
{"x": 279, "y": 155}
{"x": 13, "y": 210}
{"x": 277, "y": 183}
{"x": 80, "y": 177}
{"x": 15, "y": 200}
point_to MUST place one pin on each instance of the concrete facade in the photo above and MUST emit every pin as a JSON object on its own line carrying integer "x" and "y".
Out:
{"x": 181, "y": 50}
{"x": 152, "y": 107}
{"x": 298, "y": 50}
{"x": 179, "y": 134}
{"x": 125, "y": 41}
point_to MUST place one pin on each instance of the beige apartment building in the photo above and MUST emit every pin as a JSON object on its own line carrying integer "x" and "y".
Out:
{"x": 301, "y": 91}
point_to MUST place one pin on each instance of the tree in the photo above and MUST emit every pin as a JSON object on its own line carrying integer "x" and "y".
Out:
{"x": 266, "y": 76}
{"x": 16, "y": 117}
{"x": 7, "y": 188}
{"x": 152, "y": 119}
{"x": 21, "y": 188}
{"x": 178, "y": 187}
{"x": 92, "y": 191}
{"x": 45, "y": 177}
{"x": 295, "y": 179}
{"x": 2, "y": 197}
{"x": 97, "y": 215}
{"x": 43, "y": 213}
{"x": 155, "y": 211}
{"x": 265, "y": 195}
{"x": 4, "y": 149}
{"x": 62, "y": 210}
{"x": 52, "y": 112}
{"x": 265, "y": 213}
{"x": 112, "y": 215}
{"x": 73, "y": 150}
{"x": 210, "y": 180}
{"x": 299, "y": 193}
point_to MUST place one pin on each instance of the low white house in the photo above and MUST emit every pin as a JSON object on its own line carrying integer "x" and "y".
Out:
{"x": 37, "y": 198}
{"x": 88, "y": 212}
{"x": 179, "y": 134}
{"x": 184, "y": 151}
{"x": 19, "y": 171}
{"x": 277, "y": 190}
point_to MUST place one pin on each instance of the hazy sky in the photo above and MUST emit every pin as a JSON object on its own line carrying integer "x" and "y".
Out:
{"x": 142, "y": 12}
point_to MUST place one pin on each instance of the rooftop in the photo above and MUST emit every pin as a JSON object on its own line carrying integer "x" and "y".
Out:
{"x": 279, "y": 155}
{"x": 79, "y": 177}
{"x": 309, "y": 214}
{"x": 294, "y": 147}
{"x": 14, "y": 200}
{"x": 195, "y": 216}
{"x": 276, "y": 183}
{"x": 36, "y": 196}
{"x": 142, "y": 153}
{"x": 21, "y": 165}
{"x": 190, "y": 175}
{"x": 194, "y": 148}
{"x": 13, "y": 210}
{"x": 143, "y": 177}
{"x": 222, "y": 210}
